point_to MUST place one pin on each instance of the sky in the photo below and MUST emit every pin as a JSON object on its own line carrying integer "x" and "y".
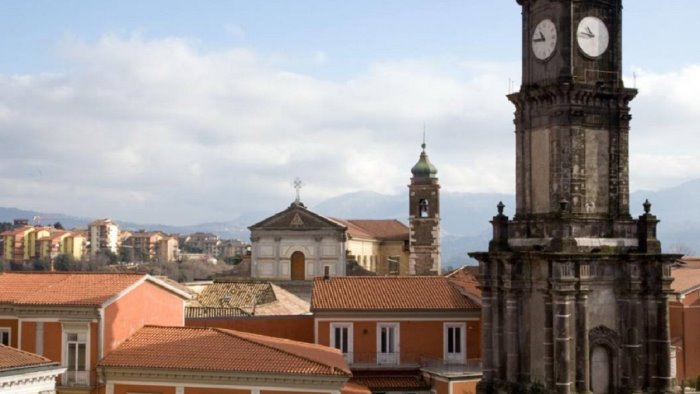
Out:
{"x": 181, "y": 112}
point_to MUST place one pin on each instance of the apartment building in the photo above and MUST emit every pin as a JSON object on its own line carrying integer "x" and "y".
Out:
{"x": 76, "y": 319}
{"x": 152, "y": 246}
{"x": 20, "y": 244}
{"x": 59, "y": 242}
{"x": 405, "y": 333}
{"x": 103, "y": 236}
{"x": 187, "y": 360}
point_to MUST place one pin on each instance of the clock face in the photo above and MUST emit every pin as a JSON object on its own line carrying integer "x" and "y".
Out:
{"x": 592, "y": 36}
{"x": 544, "y": 39}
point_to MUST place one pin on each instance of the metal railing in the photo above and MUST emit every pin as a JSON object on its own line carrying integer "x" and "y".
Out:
{"x": 77, "y": 379}
{"x": 452, "y": 367}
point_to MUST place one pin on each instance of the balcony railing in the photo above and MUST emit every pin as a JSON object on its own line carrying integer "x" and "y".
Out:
{"x": 451, "y": 367}
{"x": 78, "y": 378}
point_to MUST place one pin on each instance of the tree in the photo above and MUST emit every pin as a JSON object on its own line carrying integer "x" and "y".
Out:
{"x": 64, "y": 262}
{"x": 58, "y": 226}
{"x": 41, "y": 264}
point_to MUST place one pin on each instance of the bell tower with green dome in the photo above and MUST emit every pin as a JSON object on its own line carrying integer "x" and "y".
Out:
{"x": 424, "y": 218}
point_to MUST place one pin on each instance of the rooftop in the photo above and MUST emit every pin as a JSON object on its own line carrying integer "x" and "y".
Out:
{"x": 216, "y": 349}
{"x": 65, "y": 288}
{"x": 397, "y": 293}
{"x": 686, "y": 275}
{"x": 381, "y": 229}
{"x": 248, "y": 297}
{"x": 11, "y": 358}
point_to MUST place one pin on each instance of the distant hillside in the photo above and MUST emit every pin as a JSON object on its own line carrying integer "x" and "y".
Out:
{"x": 465, "y": 217}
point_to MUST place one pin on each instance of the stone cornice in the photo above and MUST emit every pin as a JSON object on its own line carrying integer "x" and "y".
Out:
{"x": 173, "y": 376}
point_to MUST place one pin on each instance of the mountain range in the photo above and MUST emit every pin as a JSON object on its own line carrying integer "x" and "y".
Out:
{"x": 465, "y": 217}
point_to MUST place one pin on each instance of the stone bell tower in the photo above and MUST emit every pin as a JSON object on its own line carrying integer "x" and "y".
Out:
{"x": 575, "y": 291}
{"x": 424, "y": 218}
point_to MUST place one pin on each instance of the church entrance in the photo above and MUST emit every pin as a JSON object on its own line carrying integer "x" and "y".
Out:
{"x": 600, "y": 370}
{"x": 298, "y": 266}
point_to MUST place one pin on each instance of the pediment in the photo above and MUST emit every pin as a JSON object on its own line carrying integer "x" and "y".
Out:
{"x": 296, "y": 217}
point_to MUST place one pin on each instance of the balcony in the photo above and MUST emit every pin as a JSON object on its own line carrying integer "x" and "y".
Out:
{"x": 450, "y": 368}
{"x": 78, "y": 379}
{"x": 367, "y": 360}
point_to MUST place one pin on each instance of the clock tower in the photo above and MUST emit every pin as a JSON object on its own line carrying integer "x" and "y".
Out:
{"x": 575, "y": 290}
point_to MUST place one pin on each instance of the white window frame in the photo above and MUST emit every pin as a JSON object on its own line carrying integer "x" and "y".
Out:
{"x": 347, "y": 355}
{"x": 82, "y": 330}
{"x": 455, "y": 357}
{"x": 7, "y": 330}
{"x": 389, "y": 358}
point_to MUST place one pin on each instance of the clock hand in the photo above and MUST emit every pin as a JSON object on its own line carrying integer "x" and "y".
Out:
{"x": 590, "y": 33}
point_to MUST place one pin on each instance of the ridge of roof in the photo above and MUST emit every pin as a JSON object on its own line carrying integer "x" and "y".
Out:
{"x": 248, "y": 336}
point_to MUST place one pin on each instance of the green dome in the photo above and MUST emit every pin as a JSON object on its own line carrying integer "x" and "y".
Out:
{"x": 424, "y": 168}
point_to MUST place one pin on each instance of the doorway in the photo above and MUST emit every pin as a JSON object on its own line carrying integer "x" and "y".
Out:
{"x": 600, "y": 370}
{"x": 298, "y": 266}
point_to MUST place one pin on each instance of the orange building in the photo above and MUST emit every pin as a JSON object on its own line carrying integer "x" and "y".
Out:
{"x": 20, "y": 244}
{"x": 406, "y": 333}
{"x": 187, "y": 360}
{"x": 684, "y": 313}
{"x": 77, "y": 318}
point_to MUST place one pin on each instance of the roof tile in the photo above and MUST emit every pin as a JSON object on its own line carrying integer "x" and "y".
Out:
{"x": 216, "y": 349}
{"x": 370, "y": 293}
{"x": 11, "y": 358}
{"x": 69, "y": 288}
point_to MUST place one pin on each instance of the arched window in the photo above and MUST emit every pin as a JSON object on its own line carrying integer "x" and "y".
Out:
{"x": 423, "y": 208}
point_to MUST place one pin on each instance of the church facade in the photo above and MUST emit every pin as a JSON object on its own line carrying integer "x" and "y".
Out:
{"x": 575, "y": 290}
{"x": 297, "y": 244}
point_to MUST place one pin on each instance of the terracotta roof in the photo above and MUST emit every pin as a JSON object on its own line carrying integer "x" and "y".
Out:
{"x": 245, "y": 298}
{"x": 69, "y": 288}
{"x": 18, "y": 230}
{"x": 372, "y": 293}
{"x": 465, "y": 280}
{"x": 381, "y": 229}
{"x": 686, "y": 276}
{"x": 11, "y": 358}
{"x": 217, "y": 349}
{"x": 354, "y": 388}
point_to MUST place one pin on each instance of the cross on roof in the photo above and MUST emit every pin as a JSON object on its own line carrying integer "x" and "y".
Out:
{"x": 298, "y": 185}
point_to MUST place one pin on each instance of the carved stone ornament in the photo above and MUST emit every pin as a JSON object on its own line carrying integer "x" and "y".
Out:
{"x": 604, "y": 336}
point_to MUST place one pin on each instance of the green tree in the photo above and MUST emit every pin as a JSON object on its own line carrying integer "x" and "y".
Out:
{"x": 64, "y": 262}
{"x": 58, "y": 226}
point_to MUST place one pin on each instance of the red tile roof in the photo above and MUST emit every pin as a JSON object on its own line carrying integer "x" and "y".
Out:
{"x": 216, "y": 349}
{"x": 354, "y": 388}
{"x": 69, "y": 288}
{"x": 373, "y": 293}
{"x": 11, "y": 358}
{"x": 466, "y": 281}
{"x": 686, "y": 276}
{"x": 381, "y": 229}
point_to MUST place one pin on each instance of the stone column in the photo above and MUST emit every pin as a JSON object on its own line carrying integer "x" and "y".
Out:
{"x": 496, "y": 331}
{"x": 276, "y": 271}
{"x": 562, "y": 344}
{"x": 318, "y": 269}
{"x": 486, "y": 337}
{"x": 548, "y": 342}
{"x": 663, "y": 355}
{"x": 511, "y": 339}
{"x": 583, "y": 374}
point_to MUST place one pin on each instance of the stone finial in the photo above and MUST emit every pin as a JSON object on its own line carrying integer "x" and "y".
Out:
{"x": 647, "y": 206}
{"x": 500, "y": 207}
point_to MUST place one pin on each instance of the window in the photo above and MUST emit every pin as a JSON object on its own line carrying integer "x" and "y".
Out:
{"x": 341, "y": 338}
{"x": 423, "y": 208}
{"x": 5, "y": 336}
{"x": 387, "y": 343}
{"x": 75, "y": 354}
{"x": 393, "y": 262}
{"x": 455, "y": 342}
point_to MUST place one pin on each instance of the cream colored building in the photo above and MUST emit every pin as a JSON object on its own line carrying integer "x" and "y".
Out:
{"x": 297, "y": 244}
{"x": 103, "y": 235}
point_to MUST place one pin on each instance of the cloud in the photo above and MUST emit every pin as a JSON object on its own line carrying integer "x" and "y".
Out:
{"x": 158, "y": 130}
